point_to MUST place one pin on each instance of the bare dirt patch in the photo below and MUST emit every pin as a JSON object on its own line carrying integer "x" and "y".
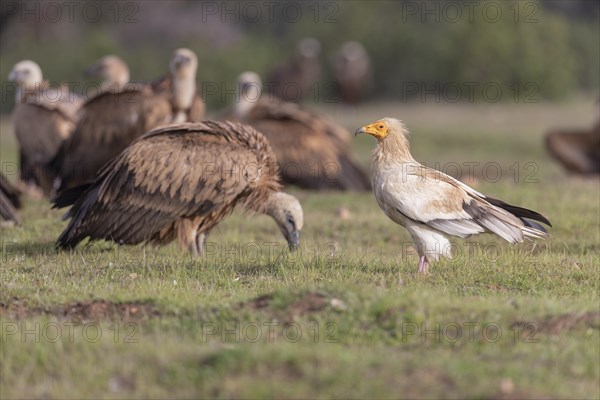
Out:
{"x": 308, "y": 303}
{"x": 81, "y": 311}
{"x": 555, "y": 325}
{"x": 258, "y": 303}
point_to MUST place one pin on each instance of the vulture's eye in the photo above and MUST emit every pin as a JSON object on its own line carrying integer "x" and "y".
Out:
{"x": 381, "y": 126}
{"x": 290, "y": 220}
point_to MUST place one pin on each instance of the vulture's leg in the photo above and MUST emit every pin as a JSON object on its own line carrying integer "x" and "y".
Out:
{"x": 200, "y": 240}
{"x": 193, "y": 247}
{"x": 423, "y": 265}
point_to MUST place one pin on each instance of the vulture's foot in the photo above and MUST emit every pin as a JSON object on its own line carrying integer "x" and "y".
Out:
{"x": 423, "y": 265}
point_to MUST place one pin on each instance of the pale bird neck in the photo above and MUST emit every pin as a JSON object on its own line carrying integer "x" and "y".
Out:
{"x": 115, "y": 82}
{"x": 393, "y": 149}
{"x": 184, "y": 90}
{"x": 245, "y": 102}
{"x": 242, "y": 107}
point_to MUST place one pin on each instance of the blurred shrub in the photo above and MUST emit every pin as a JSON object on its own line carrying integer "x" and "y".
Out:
{"x": 554, "y": 48}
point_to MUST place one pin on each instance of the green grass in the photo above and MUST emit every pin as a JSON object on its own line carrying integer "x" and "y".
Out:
{"x": 347, "y": 316}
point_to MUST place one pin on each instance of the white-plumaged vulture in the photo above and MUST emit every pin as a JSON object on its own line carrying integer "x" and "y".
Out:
{"x": 432, "y": 205}
{"x": 113, "y": 119}
{"x": 176, "y": 183}
{"x": 312, "y": 150}
{"x": 44, "y": 117}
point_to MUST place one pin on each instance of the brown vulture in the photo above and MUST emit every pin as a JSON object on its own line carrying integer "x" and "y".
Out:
{"x": 352, "y": 72}
{"x": 178, "y": 182}
{"x": 295, "y": 79}
{"x": 44, "y": 117}
{"x": 313, "y": 151}
{"x": 10, "y": 201}
{"x": 111, "y": 120}
{"x": 577, "y": 150}
{"x": 112, "y": 70}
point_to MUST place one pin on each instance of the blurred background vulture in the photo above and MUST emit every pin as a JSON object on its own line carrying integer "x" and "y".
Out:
{"x": 313, "y": 151}
{"x": 113, "y": 72}
{"x": 178, "y": 182}
{"x": 10, "y": 201}
{"x": 110, "y": 121}
{"x": 352, "y": 72}
{"x": 577, "y": 150}
{"x": 294, "y": 80}
{"x": 44, "y": 117}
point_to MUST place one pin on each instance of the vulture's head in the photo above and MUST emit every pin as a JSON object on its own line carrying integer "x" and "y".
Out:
{"x": 183, "y": 64}
{"x": 383, "y": 128}
{"x": 353, "y": 51}
{"x": 286, "y": 210}
{"x": 26, "y": 73}
{"x": 111, "y": 69}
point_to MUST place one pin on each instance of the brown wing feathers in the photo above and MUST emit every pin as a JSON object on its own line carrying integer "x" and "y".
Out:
{"x": 109, "y": 122}
{"x": 313, "y": 151}
{"x": 10, "y": 201}
{"x": 162, "y": 178}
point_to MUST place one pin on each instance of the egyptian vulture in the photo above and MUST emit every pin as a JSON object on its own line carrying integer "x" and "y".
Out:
{"x": 352, "y": 72}
{"x": 313, "y": 151}
{"x": 111, "y": 120}
{"x": 10, "y": 201}
{"x": 178, "y": 182}
{"x": 295, "y": 79}
{"x": 432, "y": 205}
{"x": 44, "y": 117}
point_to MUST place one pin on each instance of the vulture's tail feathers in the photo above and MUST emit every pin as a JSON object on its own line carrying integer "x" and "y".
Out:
{"x": 519, "y": 212}
{"x": 68, "y": 197}
{"x": 8, "y": 211}
{"x": 83, "y": 198}
{"x": 532, "y": 228}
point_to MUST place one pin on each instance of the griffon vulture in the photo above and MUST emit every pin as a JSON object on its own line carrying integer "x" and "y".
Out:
{"x": 432, "y": 205}
{"x": 178, "y": 182}
{"x": 113, "y": 72}
{"x": 352, "y": 72}
{"x": 313, "y": 151}
{"x": 10, "y": 201}
{"x": 44, "y": 117}
{"x": 295, "y": 79}
{"x": 110, "y": 121}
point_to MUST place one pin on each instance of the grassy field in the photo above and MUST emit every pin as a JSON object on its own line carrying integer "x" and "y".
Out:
{"x": 347, "y": 316}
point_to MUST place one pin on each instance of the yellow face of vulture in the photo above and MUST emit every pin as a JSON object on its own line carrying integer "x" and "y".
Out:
{"x": 379, "y": 129}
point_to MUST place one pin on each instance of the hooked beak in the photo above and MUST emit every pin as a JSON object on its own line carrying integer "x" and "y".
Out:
{"x": 294, "y": 240}
{"x": 180, "y": 60}
{"x": 370, "y": 129}
{"x": 359, "y": 131}
{"x": 12, "y": 76}
{"x": 91, "y": 71}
